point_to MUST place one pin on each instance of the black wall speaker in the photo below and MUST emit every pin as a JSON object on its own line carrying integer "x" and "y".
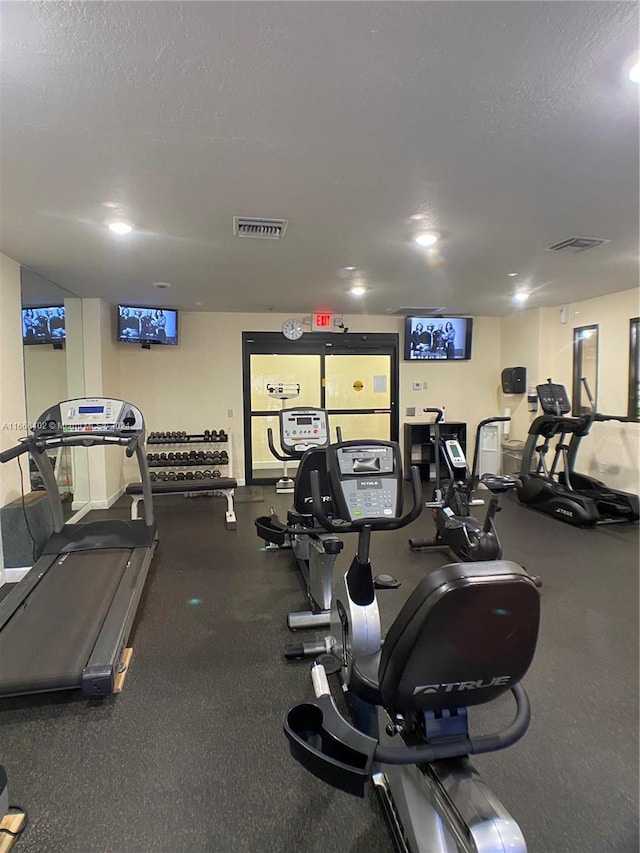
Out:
{"x": 514, "y": 380}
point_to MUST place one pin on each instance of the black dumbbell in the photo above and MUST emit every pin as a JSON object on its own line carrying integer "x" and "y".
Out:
{"x": 199, "y": 475}
{"x": 224, "y": 458}
{"x": 222, "y": 436}
{"x": 180, "y": 475}
{"x": 189, "y": 475}
{"x": 216, "y": 474}
{"x": 153, "y": 476}
{"x": 171, "y": 475}
{"x": 162, "y": 475}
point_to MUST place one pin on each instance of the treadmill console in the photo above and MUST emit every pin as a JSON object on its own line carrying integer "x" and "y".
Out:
{"x": 90, "y": 414}
{"x": 303, "y": 428}
{"x": 366, "y": 479}
{"x": 553, "y": 399}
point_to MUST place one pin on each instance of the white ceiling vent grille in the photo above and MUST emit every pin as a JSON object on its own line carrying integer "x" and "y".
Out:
{"x": 409, "y": 311}
{"x": 259, "y": 228}
{"x": 572, "y": 245}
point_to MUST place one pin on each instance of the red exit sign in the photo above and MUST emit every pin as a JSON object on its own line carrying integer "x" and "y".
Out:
{"x": 322, "y": 322}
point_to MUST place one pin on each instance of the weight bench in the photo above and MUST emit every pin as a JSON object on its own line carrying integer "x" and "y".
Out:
{"x": 223, "y": 486}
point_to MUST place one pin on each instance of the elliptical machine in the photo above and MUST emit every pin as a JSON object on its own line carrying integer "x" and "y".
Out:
{"x": 557, "y": 489}
{"x": 456, "y": 528}
{"x": 465, "y": 636}
{"x": 304, "y": 435}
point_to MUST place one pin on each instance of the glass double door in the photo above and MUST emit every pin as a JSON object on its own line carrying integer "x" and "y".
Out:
{"x": 357, "y": 388}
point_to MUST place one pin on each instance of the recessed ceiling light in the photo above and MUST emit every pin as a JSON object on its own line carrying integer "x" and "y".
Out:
{"x": 345, "y": 272}
{"x": 418, "y": 217}
{"x": 634, "y": 74}
{"x": 110, "y": 204}
{"x": 428, "y": 238}
{"x": 358, "y": 290}
{"x": 520, "y": 297}
{"x": 512, "y": 274}
{"x": 198, "y": 304}
{"x": 162, "y": 285}
{"x": 120, "y": 227}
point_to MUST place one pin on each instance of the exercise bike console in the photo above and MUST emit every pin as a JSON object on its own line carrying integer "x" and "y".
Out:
{"x": 365, "y": 475}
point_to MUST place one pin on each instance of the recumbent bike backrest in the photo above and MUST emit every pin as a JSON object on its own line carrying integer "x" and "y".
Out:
{"x": 314, "y": 459}
{"x": 466, "y": 635}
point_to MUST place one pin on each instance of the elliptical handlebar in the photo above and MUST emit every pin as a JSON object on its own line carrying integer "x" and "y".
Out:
{"x": 623, "y": 419}
{"x": 599, "y": 416}
{"x": 372, "y": 523}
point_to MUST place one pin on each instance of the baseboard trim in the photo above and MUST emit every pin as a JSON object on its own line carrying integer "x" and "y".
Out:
{"x": 15, "y": 575}
{"x": 110, "y": 501}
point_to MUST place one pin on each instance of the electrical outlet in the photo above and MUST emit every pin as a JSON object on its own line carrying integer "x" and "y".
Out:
{"x": 425, "y": 386}
{"x": 410, "y": 412}
{"x": 229, "y": 413}
{"x": 417, "y": 386}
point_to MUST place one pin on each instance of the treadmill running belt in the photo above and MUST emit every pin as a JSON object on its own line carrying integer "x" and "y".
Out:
{"x": 47, "y": 642}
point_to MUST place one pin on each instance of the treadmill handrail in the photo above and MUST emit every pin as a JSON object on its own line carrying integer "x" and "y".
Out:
{"x": 13, "y": 452}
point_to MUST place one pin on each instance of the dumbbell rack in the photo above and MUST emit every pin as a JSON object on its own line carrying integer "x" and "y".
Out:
{"x": 214, "y": 466}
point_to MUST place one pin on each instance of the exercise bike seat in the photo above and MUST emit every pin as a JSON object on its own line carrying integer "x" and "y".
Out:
{"x": 364, "y": 678}
{"x": 498, "y": 483}
{"x": 465, "y": 635}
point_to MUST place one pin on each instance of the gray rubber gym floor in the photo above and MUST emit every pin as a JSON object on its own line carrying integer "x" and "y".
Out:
{"x": 191, "y": 756}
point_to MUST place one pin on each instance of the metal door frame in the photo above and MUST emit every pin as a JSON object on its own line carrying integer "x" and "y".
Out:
{"x": 321, "y": 344}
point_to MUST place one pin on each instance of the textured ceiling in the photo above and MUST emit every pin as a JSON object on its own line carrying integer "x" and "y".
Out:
{"x": 509, "y": 126}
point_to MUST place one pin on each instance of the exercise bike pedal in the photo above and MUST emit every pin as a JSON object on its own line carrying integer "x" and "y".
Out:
{"x": 386, "y": 582}
{"x": 332, "y": 665}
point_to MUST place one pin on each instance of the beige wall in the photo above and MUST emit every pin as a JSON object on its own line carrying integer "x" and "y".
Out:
{"x": 540, "y": 341}
{"x": 611, "y": 451}
{"x": 102, "y": 379}
{"x": 195, "y": 385}
{"x": 198, "y": 384}
{"x": 13, "y": 410}
{"x": 46, "y": 370}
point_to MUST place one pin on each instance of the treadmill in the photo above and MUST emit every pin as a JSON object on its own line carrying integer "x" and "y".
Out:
{"x": 66, "y": 623}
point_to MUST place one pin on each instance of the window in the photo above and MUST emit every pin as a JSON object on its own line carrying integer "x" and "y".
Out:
{"x": 634, "y": 369}
{"x": 585, "y": 364}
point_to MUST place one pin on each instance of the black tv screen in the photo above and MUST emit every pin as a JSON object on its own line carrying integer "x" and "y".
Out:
{"x": 43, "y": 325}
{"x": 437, "y": 338}
{"x": 147, "y": 325}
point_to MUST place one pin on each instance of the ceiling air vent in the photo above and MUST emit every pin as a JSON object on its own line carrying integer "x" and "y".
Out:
{"x": 572, "y": 245}
{"x": 409, "y": 311}
{"x": 261, "y": 229}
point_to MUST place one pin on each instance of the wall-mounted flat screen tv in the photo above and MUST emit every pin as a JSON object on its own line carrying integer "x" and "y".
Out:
{"x": 43, "y": 325}
{"x": 147, "y": 325}
{"x": 437, "y": 338}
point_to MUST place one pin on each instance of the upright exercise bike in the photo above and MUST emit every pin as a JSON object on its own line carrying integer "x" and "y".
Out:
{"x": 465, "y": 636}
{"x": 456, "y": 528}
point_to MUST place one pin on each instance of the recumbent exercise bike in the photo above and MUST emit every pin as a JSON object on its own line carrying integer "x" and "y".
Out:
{"x": 466, "y": 635}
